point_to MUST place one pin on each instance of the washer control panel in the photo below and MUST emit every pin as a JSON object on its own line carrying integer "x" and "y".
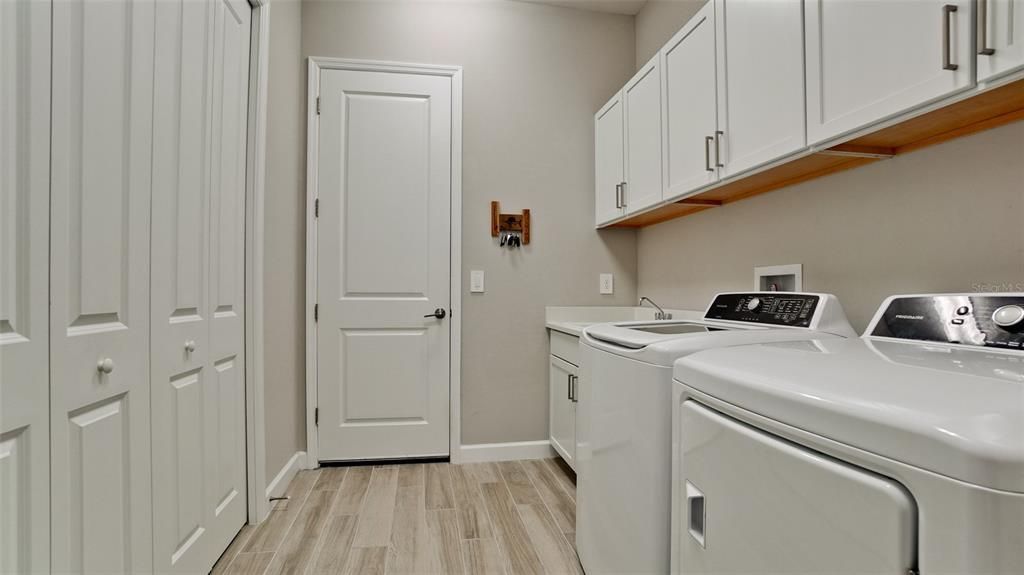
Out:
{"x": 986, "y": 320}
{"x": 774, "y": 308}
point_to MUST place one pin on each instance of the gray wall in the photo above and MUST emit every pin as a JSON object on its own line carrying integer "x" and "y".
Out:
{"x": 946, "y": 218}
{"x": 657, "y": 21}
{"x": 284, "y": 241}
{"x": 533, "y": 77}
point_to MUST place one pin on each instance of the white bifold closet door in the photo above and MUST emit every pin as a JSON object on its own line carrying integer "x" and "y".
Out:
{"x": 102, "y": 97}
{"x": 24, "y": 257}
{"x": 198, "y": 417}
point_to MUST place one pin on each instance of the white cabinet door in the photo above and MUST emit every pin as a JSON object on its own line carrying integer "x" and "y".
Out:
{"x": 689, "y": 100}
{"x": 761, "y": 112}
{"x": 24, "y": 289}
{"x": 642, "y": 105}
{"x": 562, "y": 377}
{"x": 609, "y": 160}
{"x": 384, "y": 246}
{"x": 870, "y": 60}
{"x": 1000, "y": 38}
{"x": 99, "y": 286}
{"x": 197, "y": 234}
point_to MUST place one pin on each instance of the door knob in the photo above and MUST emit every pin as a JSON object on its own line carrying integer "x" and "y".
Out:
{"x": 105, "y": 365}
{"x": 439, "y": 313}
{"x": 190, "y": 345}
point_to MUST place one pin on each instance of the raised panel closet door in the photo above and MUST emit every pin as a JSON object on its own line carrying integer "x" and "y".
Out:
{"x": 688, "y": 68}
{"x": 99, "y": 286}
{"x": 198, "y": 166}
{"x": 24, "y": 309}
{"x": 224, "y": 442}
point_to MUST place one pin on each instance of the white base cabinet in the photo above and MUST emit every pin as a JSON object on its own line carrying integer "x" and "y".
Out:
{"x": 563, "y": 390}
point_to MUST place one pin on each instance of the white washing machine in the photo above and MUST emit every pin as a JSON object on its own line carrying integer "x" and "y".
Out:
{"x": 898, "y": 452}
{"x": 624, "y": 416}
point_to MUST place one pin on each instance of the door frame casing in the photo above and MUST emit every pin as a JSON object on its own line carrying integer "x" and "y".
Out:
{"x": 316, "y": 65}
{"x": 257, "y": 504}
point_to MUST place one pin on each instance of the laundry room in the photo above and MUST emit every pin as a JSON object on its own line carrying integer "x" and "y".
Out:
{"x": 512, "y": 286}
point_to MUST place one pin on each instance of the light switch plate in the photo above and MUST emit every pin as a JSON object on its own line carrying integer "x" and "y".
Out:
{"x": 607, "y": 284}
{"x": 476, "y": 281}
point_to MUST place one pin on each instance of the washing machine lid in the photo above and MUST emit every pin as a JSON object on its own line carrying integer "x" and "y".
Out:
{"x": 953, "y": 410}
{"x": 734, "y": 311}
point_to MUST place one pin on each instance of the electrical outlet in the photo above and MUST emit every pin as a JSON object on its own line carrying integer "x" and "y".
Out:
{"x": 607, "y": 284}
{"x": 476, "y": 281}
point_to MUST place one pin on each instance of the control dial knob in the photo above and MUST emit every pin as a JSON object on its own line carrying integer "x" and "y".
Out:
{"x": 1009, "y": 316}
{"x": 754, "y": 304}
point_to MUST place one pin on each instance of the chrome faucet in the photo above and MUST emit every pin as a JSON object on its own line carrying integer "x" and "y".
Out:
{"x": 660, "y": 314}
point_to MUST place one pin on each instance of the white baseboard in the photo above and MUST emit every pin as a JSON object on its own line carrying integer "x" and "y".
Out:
{"x": 506, "y": 451}
{"x": 277, "y": 486}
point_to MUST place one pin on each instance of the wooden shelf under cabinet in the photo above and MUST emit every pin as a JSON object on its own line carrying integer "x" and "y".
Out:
{"x": 984, "y": 111}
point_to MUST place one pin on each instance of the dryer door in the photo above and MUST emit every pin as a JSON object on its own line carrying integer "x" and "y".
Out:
{"x": 755, "y": 503}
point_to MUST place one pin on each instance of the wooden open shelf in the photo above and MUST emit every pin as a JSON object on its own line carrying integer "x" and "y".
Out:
{"x": 983, "y": 111}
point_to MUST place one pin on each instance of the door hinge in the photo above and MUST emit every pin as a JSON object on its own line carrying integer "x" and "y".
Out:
{"x": 316, "y": 312}
{"x": 316, "y": 416}
{"x": 316, "y": 208}
{"x": 318, "y": 105}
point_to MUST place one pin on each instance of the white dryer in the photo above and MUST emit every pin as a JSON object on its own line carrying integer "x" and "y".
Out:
{"x": 898, "y": 452}
{"x": 624, "y": 416}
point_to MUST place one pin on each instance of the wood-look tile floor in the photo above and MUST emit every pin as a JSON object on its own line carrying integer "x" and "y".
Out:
{"x": 510, "y": 518}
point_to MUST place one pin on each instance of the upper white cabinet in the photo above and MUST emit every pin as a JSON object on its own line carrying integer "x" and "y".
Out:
{"x": 642, "y": 104}
{"x": 867, "y": 61}
{"x": 609, "y": 161}
{"x": 1000, "y": 37}
{"x": 688, "y": 65}
{"x": 761, "y": 110}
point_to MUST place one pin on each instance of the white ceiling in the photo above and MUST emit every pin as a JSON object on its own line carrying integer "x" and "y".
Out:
{"x": 630, "y": 7}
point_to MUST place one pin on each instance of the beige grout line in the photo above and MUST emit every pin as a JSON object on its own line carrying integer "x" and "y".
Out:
{"x": 318, "y": 546}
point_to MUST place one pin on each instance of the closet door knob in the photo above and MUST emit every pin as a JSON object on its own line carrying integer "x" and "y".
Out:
{"x": 190, "y": 345}
{"x": 105, "y": 365}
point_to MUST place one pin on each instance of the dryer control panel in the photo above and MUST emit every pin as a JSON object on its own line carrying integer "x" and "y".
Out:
{"x": 773, "y": 308}
{"x": 986, "y": 320}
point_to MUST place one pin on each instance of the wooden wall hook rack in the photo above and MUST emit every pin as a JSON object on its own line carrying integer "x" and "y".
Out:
{"x": 519, "y": 223}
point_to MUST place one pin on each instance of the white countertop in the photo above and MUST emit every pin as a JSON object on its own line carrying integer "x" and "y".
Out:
{"x": 573, "y": 320}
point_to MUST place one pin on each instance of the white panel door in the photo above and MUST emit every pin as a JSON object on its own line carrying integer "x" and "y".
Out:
{"x": 384, "y": 240}
{"x": 197, "y": 244}
{"x": 609, "y": 160}
{"x": 99, "y": 281}
{"x": 642, "y": 104}
{"x": 761, "y": 111}
{"x": 689, "y": 100}
{"x": 1000, "y": 38}
{"x": 24, "y": 305}
{"x": 868, "y": 60}
{"x": 562, "y": 419}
